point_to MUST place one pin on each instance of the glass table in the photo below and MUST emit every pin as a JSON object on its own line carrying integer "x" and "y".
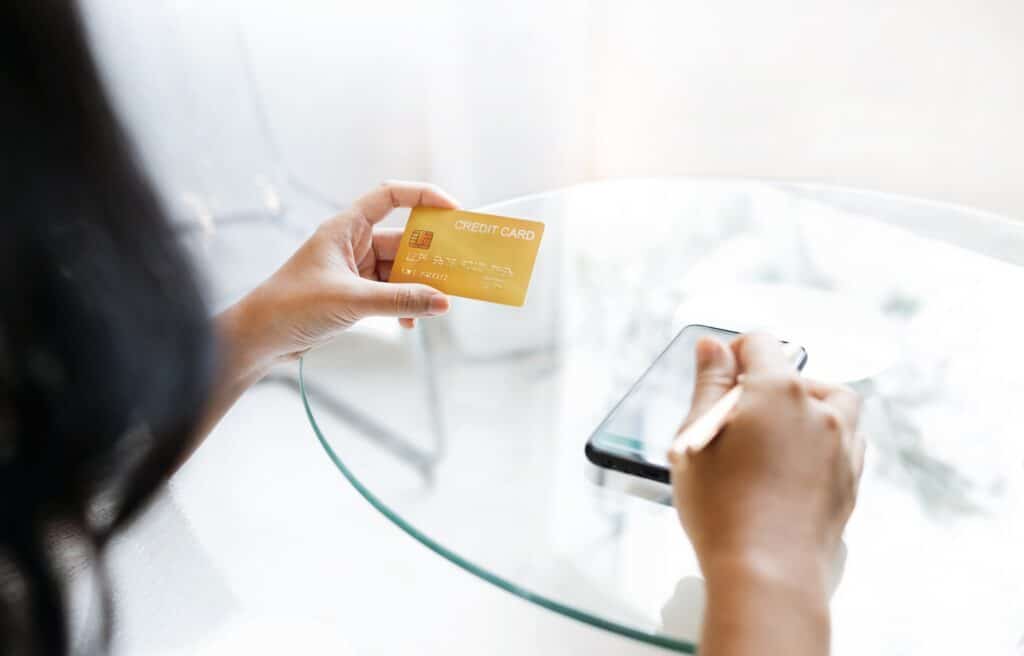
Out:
{"x": 468, "y": 433}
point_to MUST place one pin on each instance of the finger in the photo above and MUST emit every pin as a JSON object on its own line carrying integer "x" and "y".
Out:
{"x": 818, "y": 389}
{"x": 384, "y": 270}
{"x": 407, "y": 322}
{"x": 842, "y": 399}
{"x": 383, "y": 299}
{"x": 377, "y": 204}
{"x": 758, "y": 353}
{"x": 716, "y": 375}
{"x": 858, "y": 445}
{"x": 386, "y": 242}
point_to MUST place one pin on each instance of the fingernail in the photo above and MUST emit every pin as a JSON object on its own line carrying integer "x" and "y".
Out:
{"x": 438, "y": 304}
{"x": 707, "y": 350}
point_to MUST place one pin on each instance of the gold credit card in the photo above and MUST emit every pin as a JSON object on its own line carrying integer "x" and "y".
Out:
{"x": 479, "y": 256}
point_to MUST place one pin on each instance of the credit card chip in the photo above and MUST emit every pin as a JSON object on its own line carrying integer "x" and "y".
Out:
{"x": 421, "y": 239}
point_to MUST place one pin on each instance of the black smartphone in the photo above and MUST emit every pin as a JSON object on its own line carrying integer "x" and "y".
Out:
{"x": 635, "y": 436}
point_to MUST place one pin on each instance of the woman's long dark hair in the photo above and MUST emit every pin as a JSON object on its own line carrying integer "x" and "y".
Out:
{"x": 106, "y": 350}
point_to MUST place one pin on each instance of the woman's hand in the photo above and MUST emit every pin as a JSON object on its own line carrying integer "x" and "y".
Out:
{"x": 335, "y": 279}
{"x": 339, "y": 276}
{"x": 765, "y": 503}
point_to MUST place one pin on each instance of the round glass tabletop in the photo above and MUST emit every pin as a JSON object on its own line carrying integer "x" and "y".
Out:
{"x": 468, "y": 433}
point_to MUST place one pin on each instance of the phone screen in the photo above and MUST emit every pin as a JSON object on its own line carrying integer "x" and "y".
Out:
{"x": 636, "y": 435}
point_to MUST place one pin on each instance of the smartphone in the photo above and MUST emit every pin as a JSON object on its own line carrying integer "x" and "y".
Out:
{"x": 635, "y": 436}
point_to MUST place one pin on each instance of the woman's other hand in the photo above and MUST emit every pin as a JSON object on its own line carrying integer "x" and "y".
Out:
{"x": 766, "y": 502}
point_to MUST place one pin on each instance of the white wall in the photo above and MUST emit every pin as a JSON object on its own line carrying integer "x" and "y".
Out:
{"x": 496, "y": 99}
{"x": 256, "y": 106}
{"x": 915, "y": 96}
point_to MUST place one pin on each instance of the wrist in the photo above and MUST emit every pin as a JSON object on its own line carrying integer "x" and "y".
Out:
{"x": 802, "y": 575}
{"x": 248, "y": 351}
{"x": 759, "y": 603}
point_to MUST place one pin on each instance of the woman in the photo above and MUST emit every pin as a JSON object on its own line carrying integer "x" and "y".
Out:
{"x": 111, "y": 371}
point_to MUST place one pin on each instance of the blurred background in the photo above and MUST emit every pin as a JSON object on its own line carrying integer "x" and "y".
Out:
{"x": 282, "y": 110}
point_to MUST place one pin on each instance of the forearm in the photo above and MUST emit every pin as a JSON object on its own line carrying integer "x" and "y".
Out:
{"x": 245, "y": 358}
{"x": 761, "y": 608}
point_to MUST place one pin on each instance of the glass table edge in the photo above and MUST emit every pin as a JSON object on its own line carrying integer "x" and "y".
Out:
{"x": 477, "y": 570}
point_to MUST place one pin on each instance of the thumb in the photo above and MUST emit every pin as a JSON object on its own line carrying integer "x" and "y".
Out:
{"x": 716, "y": 375}
{"x": 385, "y": 299}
